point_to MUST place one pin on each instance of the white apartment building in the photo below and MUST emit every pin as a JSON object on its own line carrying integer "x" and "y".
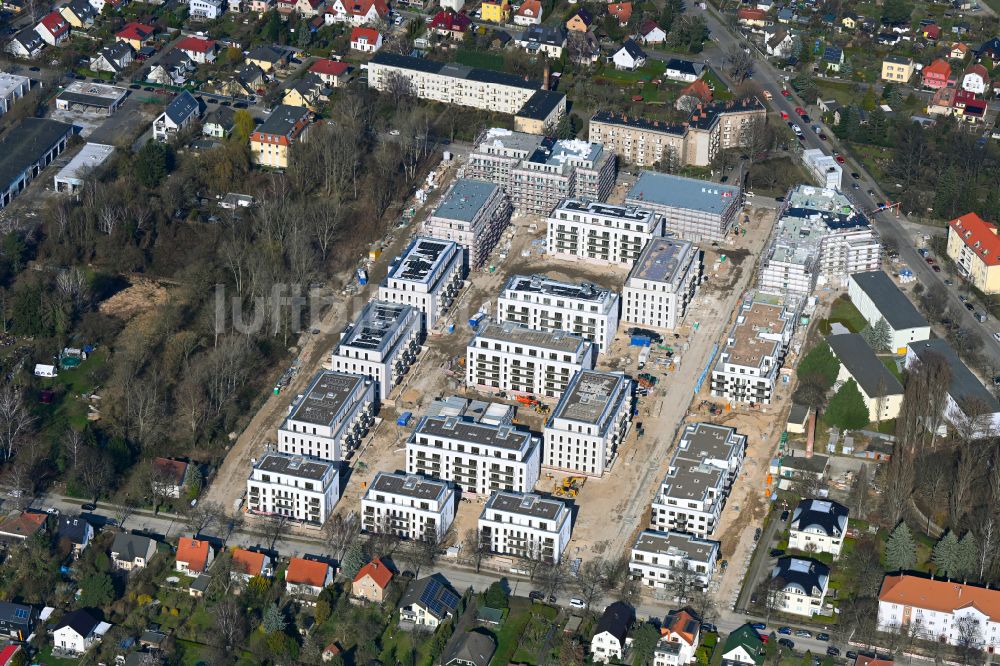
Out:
{"x": 589, "y": 423}
{"x": 747, "y": 369}
{"x": 692, "y": 209}
{"x": 381, "y": 344}
{"x": 409, "y": 506}
{"x": 428, "y": 276}
{"x": 544, "y": 304}
{"x": 802, "y": 585}
{"x": 658, "y": 558}
{"x": 526, "y": 525}
{"x": 538, "y": 171}
{"x": 207, "y": 10}
{"x": 941, "y": 610}
{"x": 510, "y": 357}
{"x": 477, "y": 457}
{"x": 298, "y": 487}
{"x": 818, "y": 526}
{"x": 12, "y": 88}
{"x": 877, "y": 297}
{"x": 819, "y": 240}
{"x": 698, "y": 481}
{"x": 662, "y": 283}
{"x": 600, "y": 232}
{"x": 474, "y": 214}
{"x": 331, "y": 418}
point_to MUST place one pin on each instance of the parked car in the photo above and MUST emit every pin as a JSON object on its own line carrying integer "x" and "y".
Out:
{"x": 833, "y": 651}
{"x": 536, "y": 595}
{"x": 799, "y": 110}
{"x": 840, "y": 159}
{"x": 784, "y": 115}
{"x": 851, "y": 655}
{"x": 822, "y": 636}
{"x": 89, "y": 506}
{"x": 784, "y": 515}
{"x": 777, "y": 552}
{"x": 577, "y": 603}
{"x": 785, "y": 631}
{"x": 708, "y": 626}
{"x": 786, "y": 642}
{"x": 806, "y": 119}
{"x": 803, "y": 633}
{"x": 855, "y": 175}
{"x": 759, "y": 626}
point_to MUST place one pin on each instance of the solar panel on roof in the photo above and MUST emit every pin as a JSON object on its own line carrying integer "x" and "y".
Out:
{"x": 21, "y": 613}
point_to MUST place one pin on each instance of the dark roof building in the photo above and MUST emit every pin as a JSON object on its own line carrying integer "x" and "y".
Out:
{"x": 472, "y": 648}
{"x": 27, "y": 149}
{"x": 801, "y": 575}
{"x": 616, "y": 620}
{"x": 16, "y": 620}
{"x": 873, "y": 378}
{"x": 433, "y": 595}
{"x": 824, "y": 515}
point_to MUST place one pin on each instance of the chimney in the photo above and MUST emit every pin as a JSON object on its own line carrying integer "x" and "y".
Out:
{"x": 811, "y": 434}
{"x": 546, "y": 74}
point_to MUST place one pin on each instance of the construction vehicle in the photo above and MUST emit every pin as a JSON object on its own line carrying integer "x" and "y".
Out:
{"x": 526, "y": 400}
{"x": 569, "y": 487}
{"x": 647, "y": 380}
{"x": 542, "y": 409}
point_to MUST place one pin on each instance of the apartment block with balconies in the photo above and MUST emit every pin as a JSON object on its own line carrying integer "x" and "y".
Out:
{"x": 428, "y": 276}
{"x": 474, "y": 214}
{"x": 479, "y": 458}
{"x": 526, "y": 525}
{"x": 747, "y": 369}
{"x": 408, "y": 506}
{"x": 599, "y": 232}
{"x": 331, "y": 418}
{"x": 662, "y": 283}
{"x": 297, "y": 487}
{"x": 659, "y": 559}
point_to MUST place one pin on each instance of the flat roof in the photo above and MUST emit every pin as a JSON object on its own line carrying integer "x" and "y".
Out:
{"x": 453, "y": 69}
{"x": 11, "y": 82}
{"x": 292, "y": 465}
{"x": 499, "y": 137}
{"x": 749, "y": 347}
{"x": 816, "y": 464}
{"x": 564, "y": 151}
{"x": 375, "y": 326}
{"x": 690, "y": 480}
{"x": 622, "y": 212}
{"x": 408, "y": 485}
{"x": 676, "y": 544}
{"x": 661, "y": 260}
{"x": 326, "y": 397}
{"x": 589, "y": 396}
{"x": 422, "y": 259}
{"x": 525, "y": 504}
{"x": 511, "y": 332}
{"x": 465, "y": 199}
{"x": 25, "y": 144}
{"x": 541, "y": 105}
{"x": 542, "y": 284}
{"x": 679, "y": 192}
{"x": 92, "y": 94}
{"x": 90, "y": 157}
{"x": 708, "y": 440}
{"x": 452, "y": 427}
{"x": 964, "y": 385}
{"x": 893, "y": 305}
{"x": 865, "y": 367}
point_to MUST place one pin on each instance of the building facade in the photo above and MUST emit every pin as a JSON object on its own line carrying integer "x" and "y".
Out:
{"x": 694, "y": 210}
{"x": 271, "y": 143}
{"x": 479, "y": 458}
{"x": 800, "y": 585}
{"x": 526, "y": 525}
{"x": 510, "y": 357}
{"x": 877, "y": 297}
{"x": 331, "y": 418}
{"x": 747, "y": 369}
{"x": 818, "y": 526}
{"x": 662, "y": 283}
{"x": 473, "y": 213}
{"x": 408, "y": 506}
{"x": 544, "y": 304}
{"x": 975, "y": 248}
{"x": 28, "y": 149}
{"x": 600, "y": 232}
{"x": 428, "y": 276}
{"x": 590, "y": 422}
{"x": 12, "y": 88}
{"x": 381, "y": 344}
{"x": 297, "y": 487}
{"x": 658, "y": 559}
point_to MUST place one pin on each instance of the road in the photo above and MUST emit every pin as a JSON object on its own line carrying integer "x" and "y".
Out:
{"x": 889, "y": 226}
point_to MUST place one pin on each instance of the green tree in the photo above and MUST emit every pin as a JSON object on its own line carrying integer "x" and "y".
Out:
{"x": 820, "y": 361}
{"x": 869, "y": 102}
{"x": 354, "y": 559}
{"x": 96, "y": 590}
{"x": 323, "y": 611}
{"x": 644, "y": 639}
{"x": 243, "y": 126}
{"x": 152, "y": 163}
{"x": 944, "y": 555}
{"x": 900, "y": 549}
{"x": 879, "y": 336}
{"x": 965, "y": 556}
{"x": 273, "y": 621}
{"x": 496, "y": 595}
{"x": 847, "y": 409}
{"x": 895, "y": 12}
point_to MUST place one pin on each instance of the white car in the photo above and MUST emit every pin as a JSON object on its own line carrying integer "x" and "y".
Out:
{"x": 996, "y": 336}
{"x": 577, "y": 603}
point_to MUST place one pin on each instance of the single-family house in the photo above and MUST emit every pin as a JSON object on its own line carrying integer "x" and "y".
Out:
{"x": 79, "y": 14}
{"x": 818, "y": 526}
{"x": 931, "y": 32}
{"x": 495, "y": 11}
{"x": 200, "y": 50}
{"x": 19, "y": 527}
{"x": 610, "y": 640}
{"x": 173, "y": 69}
{"x": 357, "y": 12}
{"x": 135, "y": 34}
{"x": 26, "y": 44}
{"x": 307, "y": 578}
{"x": 785, "y": 15}
{"x": 692, "y": 95}
{"x": 752, "y": 17}
{"x": 833, "y": 58}
{"x": 428, "y": 602}
{"x": 194, "y": 556}
{"x": 801, "y": 585}
{"x": 766, "y": 5}
{"x": 888, "y": 38}
{"x": 130, "y": 552}
{"x": 936, "y": 75}
{"x": 76, "y": 532}
{"x": 219, "y": 122}
{"x": 53, "y": 29}
{"x": 959, "y": 51}
{"x": 849, "y": 21}
{"x": 17, "y": 621}
{"x": 651, "y": 33}
{"x": 78, "y": 631}
{"x": 308, "y": 92}
{"x": 550, "y": 40}
{"x": 366, "y": 40}
{"x": 683, "y": 70}
{"x": 269, "y": 58}
{"x": 580, "y": 21}
{"x": 679, "y": 638}
{"x": 896, "y": 69}
{"x": 450, "y": 24}
{"x": 371, "y": 582}
{"x": 622, "y": 11}
{"x": 989, "y": 51}
{"x": 206, "y": 10}
{"x": 469, "y": 648}
{"x": 529, "y": 13}
{"x": 181, "y": 112}
{"x": 976, "y": 79}
{"x": 114, "y": 58}
{"x": 170, "y": 476}
{"x": 743, "y": 647}
{"x": 332, "y": 72}
{"x": 271, "y": 142}
{"x": 247, "y": 564}
{"x": 629, "y": 56}
{"x": 309, "y": 8}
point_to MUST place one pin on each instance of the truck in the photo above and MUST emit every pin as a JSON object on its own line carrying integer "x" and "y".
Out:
{"x": 404, "y": 418}
{"x": 362, "y": 277}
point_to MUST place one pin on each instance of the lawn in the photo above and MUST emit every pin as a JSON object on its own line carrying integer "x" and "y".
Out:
{"x": 890, "y": 363}
{"x": 842, "y": 92}
{"x": 647, "y": 72}
{"x": 45, "y": 657}
{"x": 720, "y": 92}
{"x": 994, "y": 5}
{"x": 844, "y": 312}
{"x": 522, "y": 611}
{"x": 480, "y": 59}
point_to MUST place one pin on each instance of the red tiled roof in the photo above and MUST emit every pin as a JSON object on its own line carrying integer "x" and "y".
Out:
{"x": 172, "y": 470}
{"x": 530, "y": 8}
{"x": 8, "y": 653}
{"x": 942, "y": 595}
{"x": 865, "y": 660}
{"x": 55, "y": 24}
{"x": 362, "y": 7}
{"x": 963, "y": 97}
{"x": 196, "y": 44}
{"x": 306, "y": 572}
{"x": 752, "y": 14}
{"x": 648, "y": 26}
{"x": 980, "y": 70}
{"x": 451, "y": 21}
{"x": 621, "y": 11}
{"x": 371, "y": 34}
{"x": 939, "y": 67}
{"x": 700, "y": 90}
{"x": 248, "y": 562}
{"x": 23, "y": 524}
{"x": 193, "y": 552}
{"x": 329, "y": 67}
{"x": 981, "y": 237}
{"x": 378, "y": 572}
{"x": 134, "y": 30}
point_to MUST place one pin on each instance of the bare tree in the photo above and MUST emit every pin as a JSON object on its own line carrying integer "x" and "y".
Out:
{"x": 969, "y": 639}
{"x": 739, "y": 63}
{"x": 95, "y": 473}
{"x": 683, "y": 581}
{"x": 615, "y": 571}
{"x": 590, "y": 581}
{"x": 340, "y": 530}
{"x": 552, "y": 578}
{"x": 230, "y": 623}
{"x": 967, "y": 461}
{"x": 898, "y": 484}
{"x": 73, "y": 446}
{"x": 274, "y": 526}
{"x": 124, "y": 509}
{"x": 15, "y": 421}
{"x": 203, "y": 515}
{"x": 476, "y": 547}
